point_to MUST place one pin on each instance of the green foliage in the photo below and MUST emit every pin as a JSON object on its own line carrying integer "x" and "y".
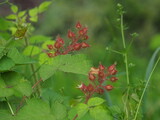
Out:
{"x": 5, "y": 115}
{"x": 33, "y": 14}
{"x": 4, "y": 24}
{"x": 13, "y": 83}
{"x": 82, "y": 109}
{"x": 43, "y": 6}
{"x": 151, "y": 63}
{"x": 100, "y": 113}
{"x": 91, "y": 111}
{"x": 19, "y": 58}
{"x": 35, "y": 110}
{"x": 39, "y": 39}
{"x": 66, "y": 63}
{"x": 14, "y": 8}
{"x": 59, "y": 110}
{"x": 6, "y": 64}
{"x": 95, "y": 101}
{"x": 31, "y": 50}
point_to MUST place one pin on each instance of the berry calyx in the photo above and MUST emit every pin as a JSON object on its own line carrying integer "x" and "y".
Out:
{"x": 78, "y": 25}
{"x": 113, "y": 79}
{"x": 92, "y": 77}
{"x": 108, "y": 87}
{"x": 50, "y": 47}
{"x": 84, "y": 45}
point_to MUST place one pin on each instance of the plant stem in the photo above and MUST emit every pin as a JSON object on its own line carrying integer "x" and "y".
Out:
{"x": 6, "y": 1}
{"x": 24, "y": 97}
{"x": 126, "y": 65}
{"x": 122, "y": 32}
{"x": 33, "y": 69}
{"x": 140, "y": 101}
{"x": 9, "y": 105}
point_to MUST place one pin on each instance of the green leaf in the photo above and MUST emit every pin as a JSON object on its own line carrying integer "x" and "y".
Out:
{"x": 72, "y": 113}
{"x": 33, "y": 19}
{"x": 66, "y": 63}
{"x": 14, "y": 8}
{"x": 59, "y": 110}
{"x": 82, "y": 109}
{"x": 86, "y": 117}
{"x": 15, "y": 84}
{"x": 100, "y": 113}
{"x": 43, "y": 58}
{"x": 4, "y": 24}
{"x": 135, "y": 97}
{"x": 21, "y": 13}
{"x": 4, "y": 91}
{"x": 95, "y": 101}
{"x": 11, "y": 17}
{"x": 23, "y": 88}
{"x": 6, "y": 64}
{"x": 31, "y": 50}
{"x": 43, "y": 6}
{"x": 38, "y": 39}
{"x": 33, "y": 12}
{"x": 6, "y": 115}
{"x": 19, "y": 58}
{"x": 151, "y": 63}
{"x": 1, "y": 51}
{"x": 35, "y": 110}
{"x": 51, "y": 96}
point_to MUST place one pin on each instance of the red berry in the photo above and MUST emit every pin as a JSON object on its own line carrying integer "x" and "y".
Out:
{"x": 85, "y": 29}
{"x": 101, "y": 67}
{"x": 108, "y": 87}
{"x": 84, "y": 45}
{"x": 101, "y": 74}
{"x": 113, "y": 72}
{"x": 92, "y": 77}
{"x": 77, "y": 46}
{"x": 78, "y": 25}
{"x": 100, "y": 91}
{"x": 86, "y": 37}
{"x": 113, "y": 79}
{"x": 50, "y": 47}
{"x": 70, "y": 34}
{"x": 90, "y": 88}
{"x": 112, "y": 67}
{"x": 57, "y": 45}
{"x": 50, "y": 54}
{"x": 60, "y": 40}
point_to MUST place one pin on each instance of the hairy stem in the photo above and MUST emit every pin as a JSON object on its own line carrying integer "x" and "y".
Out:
{"x": 24, "y": 97}
{"x": 144, "y": 90}
{"x": 126, "y": 66}
{"x": 9, "y": 105}
{"x": 6, "y": 1}
{"x": 33, "y": 69}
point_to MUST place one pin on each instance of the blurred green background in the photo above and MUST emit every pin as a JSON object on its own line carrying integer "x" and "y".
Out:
{"x": 142, "y": 17}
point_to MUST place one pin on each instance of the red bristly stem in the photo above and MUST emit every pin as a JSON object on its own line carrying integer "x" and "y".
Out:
{"x": 24, "y": 97}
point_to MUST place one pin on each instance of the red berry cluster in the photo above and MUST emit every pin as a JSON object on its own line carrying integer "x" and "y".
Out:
{"x": 77, "y": 42}
{"x": 97, "y": 76}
